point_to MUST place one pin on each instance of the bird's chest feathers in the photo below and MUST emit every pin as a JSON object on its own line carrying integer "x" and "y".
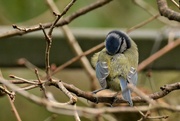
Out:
{"x": 117, "y": 65}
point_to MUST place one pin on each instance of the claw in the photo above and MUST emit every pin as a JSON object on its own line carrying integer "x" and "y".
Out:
{"x": 98, "y": 90}
{"x": 114, "y": 99}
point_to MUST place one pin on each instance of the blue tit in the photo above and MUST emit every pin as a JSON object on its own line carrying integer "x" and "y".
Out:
{"x": 116, "y": 64}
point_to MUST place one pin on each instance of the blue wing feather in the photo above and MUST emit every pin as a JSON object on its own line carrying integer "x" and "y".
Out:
{"x": 134, "y": 79}
{"x": 101, "y": 73}
{"x": 126, "y": 93}
{"x": 132, "y": 76}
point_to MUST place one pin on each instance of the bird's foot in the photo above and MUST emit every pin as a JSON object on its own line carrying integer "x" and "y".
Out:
{"x": 96, "y": 91}
{"x": 114, "y": 99}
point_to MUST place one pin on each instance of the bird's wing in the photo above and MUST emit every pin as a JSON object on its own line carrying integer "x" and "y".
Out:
{"x": 102, "y": 72}
{"x": 132, "y": 76}
{"x": 94, "y": 59}
{"x": 126, "y": 93}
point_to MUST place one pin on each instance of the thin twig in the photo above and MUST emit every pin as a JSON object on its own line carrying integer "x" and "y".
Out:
{"x": 54, "y": 24}
{"x": 141, "y": 94}
{"x": 66, "y": 20}
{"x": 147, "y": 115}
{"x": 175, "y": 3}
{"x": 47, "y": 52}
{"x": 60, "y": 85}
{"x": 158, "y": 54}
{"x": 165, "y": 90}
{"x": 30, "y": 66}
{"x": 41, "y": 84}
{"x": 29, "y": 87}
{"x": 11, "y": 98}
{"x": 22, "y": 79}
{"x": 51, "y": 118}
{"x": 6, "y": 91}
{"x": 152, "y": 11}
{"x": 59, "y": 16}
{"x": 76, "y": 47}
{"x": 76, "y": 116}
{"x": 14, "y": 110}
{"x": 82, "y": 111}
{"x": 21, "y": 29}
{"x": 93, "y": 49}
{"x": 143, "y": 23}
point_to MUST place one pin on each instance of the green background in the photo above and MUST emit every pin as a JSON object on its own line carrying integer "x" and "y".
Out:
{"x": 117, "y": 14}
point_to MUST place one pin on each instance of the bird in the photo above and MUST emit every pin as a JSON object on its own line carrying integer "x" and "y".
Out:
{"x": 116, "y": 64}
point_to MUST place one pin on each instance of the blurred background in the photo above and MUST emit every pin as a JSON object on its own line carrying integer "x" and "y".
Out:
{"x": 90, "y": 30}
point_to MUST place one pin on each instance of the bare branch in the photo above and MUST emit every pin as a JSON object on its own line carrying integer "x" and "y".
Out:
{"x": 167, "y": 12}
{"x": 165, "y": 90}
{"x": 141, "y": 94}
{"x": 175, "y": 3}
{"x": 76, "y": 116}
{"x": 22, "y": 79}
{"x": 82, "y": 111}
{"x": 142, "y": 24}
{"x": 60, "y": 85}
{"x": 76, "y": 47}
{"x": 59, "y": 16}
{"x": 93, "y": 49}
{"x": 47, "y": 52}
{"x": 152, "y": 11}
{"x": 11, "y": 94}
{"x": 101, "y": 99}
{"x": 41, "y": 84}
{"x": 66, "y": 20}
{"x": 11, "y": 98}
{"x": 158, "y": 54}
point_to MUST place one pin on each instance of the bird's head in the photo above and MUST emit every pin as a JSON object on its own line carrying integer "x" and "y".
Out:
{"x": 117, "y": 42}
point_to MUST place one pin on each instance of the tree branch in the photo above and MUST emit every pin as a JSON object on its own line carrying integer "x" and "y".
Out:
{"x": 82, "y": 111}
{"x": 165, "y": 90}
{"x": 158, "y": 54}
{"x": 65, "y": 21}
{"x": 167, "y": 12}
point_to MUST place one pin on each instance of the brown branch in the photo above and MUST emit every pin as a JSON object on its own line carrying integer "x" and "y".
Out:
{"x": 11, "y": 98}
{"x": 47, "y": 52}
{"x": 40, "y": 83}
{"x": 167, "y": 12}
{"x": 59, "y": 16}
{"x": 152, "y": 11}
{"x": 93, "y": 49}
{"x": 60, "y": 85}
{"x": 101, "y": 99}
{"x": 82, "y": 111}
{"x": 141, "y": 94}
{"x": 175, "y": 3}
{"x": 22, "y": 79}
{"x": 66, "y": 20}
{"x": 29, "y": 65}
{"x": 3, "y": 90}
{"x": 14, "y": 110}
{"x": 76, "y": 48}
{"x": 165, "y": 90}
{"x": 158, "y": 54}
{"x": 142, "y": 24}
{"x": 76, "y": 116}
